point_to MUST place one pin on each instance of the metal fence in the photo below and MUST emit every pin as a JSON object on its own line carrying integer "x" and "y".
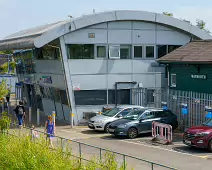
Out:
{"x": 196, "y": 103}
{"x": 84, "y": 152}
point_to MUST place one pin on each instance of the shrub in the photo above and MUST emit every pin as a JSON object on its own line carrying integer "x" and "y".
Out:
{"x": 22, "y": 153}
{"x": 5, "y": 122}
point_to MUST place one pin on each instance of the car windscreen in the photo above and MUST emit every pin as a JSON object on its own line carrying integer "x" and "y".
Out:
{"x": 112, "y": 112}
{"x": 134, "y": 115}
{"x": 208, "y": 122}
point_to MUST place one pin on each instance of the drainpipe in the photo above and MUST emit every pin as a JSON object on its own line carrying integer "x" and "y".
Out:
{"x": 116, "y": 86}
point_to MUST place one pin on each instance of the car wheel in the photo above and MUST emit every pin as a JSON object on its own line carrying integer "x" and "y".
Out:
{"x": 132, "y": 133}
{"x": 210, "y": 146}
{"x": 106, "y": 127}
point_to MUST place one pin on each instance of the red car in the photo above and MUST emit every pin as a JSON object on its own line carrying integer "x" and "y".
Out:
{"x": 199, "y": 136}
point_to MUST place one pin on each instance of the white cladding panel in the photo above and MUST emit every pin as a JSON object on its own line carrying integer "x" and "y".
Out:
{"x": 82, "y": 36}
{"x": 172, "y": 38}
{"x": 119, "y": 36}
{"x": 90, "y": 82}
{"x": 88, "y": 66}
{"x": 119, "y": 66}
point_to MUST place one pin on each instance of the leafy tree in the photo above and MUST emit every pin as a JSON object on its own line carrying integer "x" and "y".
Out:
{"x": 202, "y": 25}
{"x": 6, "y": 52}
{"x": 168, "y": 14}
{"x": 3, "y": 89}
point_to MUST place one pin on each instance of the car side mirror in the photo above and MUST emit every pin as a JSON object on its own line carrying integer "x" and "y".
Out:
{"x": 141, "y": 120}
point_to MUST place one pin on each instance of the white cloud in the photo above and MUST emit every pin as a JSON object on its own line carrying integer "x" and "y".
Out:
{"x": 192, "y": 13}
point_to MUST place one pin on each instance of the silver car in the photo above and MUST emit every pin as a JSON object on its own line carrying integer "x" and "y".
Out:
{"x": 101, "y": 122}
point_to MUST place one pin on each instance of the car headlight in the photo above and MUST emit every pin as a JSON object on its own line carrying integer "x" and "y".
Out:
{"x": 99, "y": 121}
{"x": 203, "y": 134}
{"x": 122, "y": 126}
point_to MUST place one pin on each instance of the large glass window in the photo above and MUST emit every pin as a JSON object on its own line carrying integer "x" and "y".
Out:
{"x": 81, "y": 51}
{"x": 150, "y": 96}
{"x": 138, "y": 51}
{"x": 120, "y": 51}
{"x": 63, "y": 96}
{"x": 150, "y": 51}
{"x": 161, "y": 50}
{"x": 55, "y": 94}
{"x": 123, "y": 96}
{"x": 90, "y": 97}
{"x": 173, "y": 80}
{"x": 125, "y": 52}
{"x": 101, "y": 51}
{"x": 47, "y": 53}
{"x": 173, "y": 47}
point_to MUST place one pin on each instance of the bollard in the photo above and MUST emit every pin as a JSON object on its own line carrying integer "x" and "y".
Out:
{"x": 71, "y": 119}
{"x": 53, "y": 116}
{"x": 2, "y": 106}
{"x": 38, "y": 117}
{"x": 8, "y": 107}
{"x": 30, "y": 114}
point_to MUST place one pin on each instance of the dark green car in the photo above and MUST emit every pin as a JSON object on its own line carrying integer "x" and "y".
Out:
{"x": 140, "y": 121}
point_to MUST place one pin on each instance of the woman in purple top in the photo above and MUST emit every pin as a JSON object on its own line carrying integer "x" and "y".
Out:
{"x": 50, "y": 130}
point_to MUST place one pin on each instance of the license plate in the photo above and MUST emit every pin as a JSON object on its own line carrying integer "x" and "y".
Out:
{"x": 111, "y": 130}
{"x": 188, "y": 142}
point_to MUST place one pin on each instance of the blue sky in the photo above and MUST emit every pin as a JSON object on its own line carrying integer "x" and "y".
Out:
{"x": 16, "y": 15}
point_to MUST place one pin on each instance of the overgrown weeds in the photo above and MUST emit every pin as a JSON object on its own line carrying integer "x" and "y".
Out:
{"x": 22, "y": 153}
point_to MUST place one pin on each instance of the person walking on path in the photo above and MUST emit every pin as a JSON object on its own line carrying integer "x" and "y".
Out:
{"x": 50, "y": 130}
{"x": 20, "y": 113}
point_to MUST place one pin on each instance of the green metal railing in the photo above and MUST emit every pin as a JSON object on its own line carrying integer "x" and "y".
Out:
{"x": 100, "y": 152}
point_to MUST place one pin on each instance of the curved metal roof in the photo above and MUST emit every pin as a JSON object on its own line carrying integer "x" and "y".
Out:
{"x": 40, "y": 36}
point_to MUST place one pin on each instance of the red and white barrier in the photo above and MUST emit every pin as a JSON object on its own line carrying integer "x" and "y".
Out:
{"x": 162, "y": 131}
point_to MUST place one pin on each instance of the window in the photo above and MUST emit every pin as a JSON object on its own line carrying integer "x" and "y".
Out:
{"x": 125, "y": 52}
{"x": 150, "y": 52}
{"x": 55, "y": 94}
{"x": 81, "y": 51}
{"x": 164, "y": 114}
{"x": 47, "y": 53}
{"x": 120, "y": 51}
{"x": 63, "y": 97}
{"x": 173, "y": 80}
{"x": 45, "y": 92}
{"x": 123, "y": 96}
{"x": 150, "y": 96}
{"x": 125, "y": 112}
{"x": 173, "y": 47}
{"x": 161, "y": 50}
{"x": 138, "y": 51}
{"x": 101, "y": 51}
{"x": 148, "y": 115}
{"x": 90, "y": 97}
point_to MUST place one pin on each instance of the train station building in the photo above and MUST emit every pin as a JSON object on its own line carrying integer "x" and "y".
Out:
{"x": 86, "y": 63}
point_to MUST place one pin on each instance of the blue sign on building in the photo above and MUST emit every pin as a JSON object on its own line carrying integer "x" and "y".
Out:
{"x": 184, "y": 109}
{"x": 209, "y": 112}
{"x": 164, "y": 105}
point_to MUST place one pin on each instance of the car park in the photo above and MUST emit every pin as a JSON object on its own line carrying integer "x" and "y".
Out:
{"x": 199, "y": 136}
{"x": 101, "y": 122}
{"x": 140, "y": 121}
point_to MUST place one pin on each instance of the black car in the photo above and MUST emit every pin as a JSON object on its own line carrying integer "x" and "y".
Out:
{"x": 140, "y": 121}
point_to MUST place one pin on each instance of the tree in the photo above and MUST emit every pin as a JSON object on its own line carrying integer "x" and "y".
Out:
{"x": 3, "y": 89}
{"x": 168, "y": 14}
{"x": 202, "y": 25}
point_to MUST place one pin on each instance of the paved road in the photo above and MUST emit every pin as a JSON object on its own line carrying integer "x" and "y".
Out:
{"x": 177, "y": 155}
